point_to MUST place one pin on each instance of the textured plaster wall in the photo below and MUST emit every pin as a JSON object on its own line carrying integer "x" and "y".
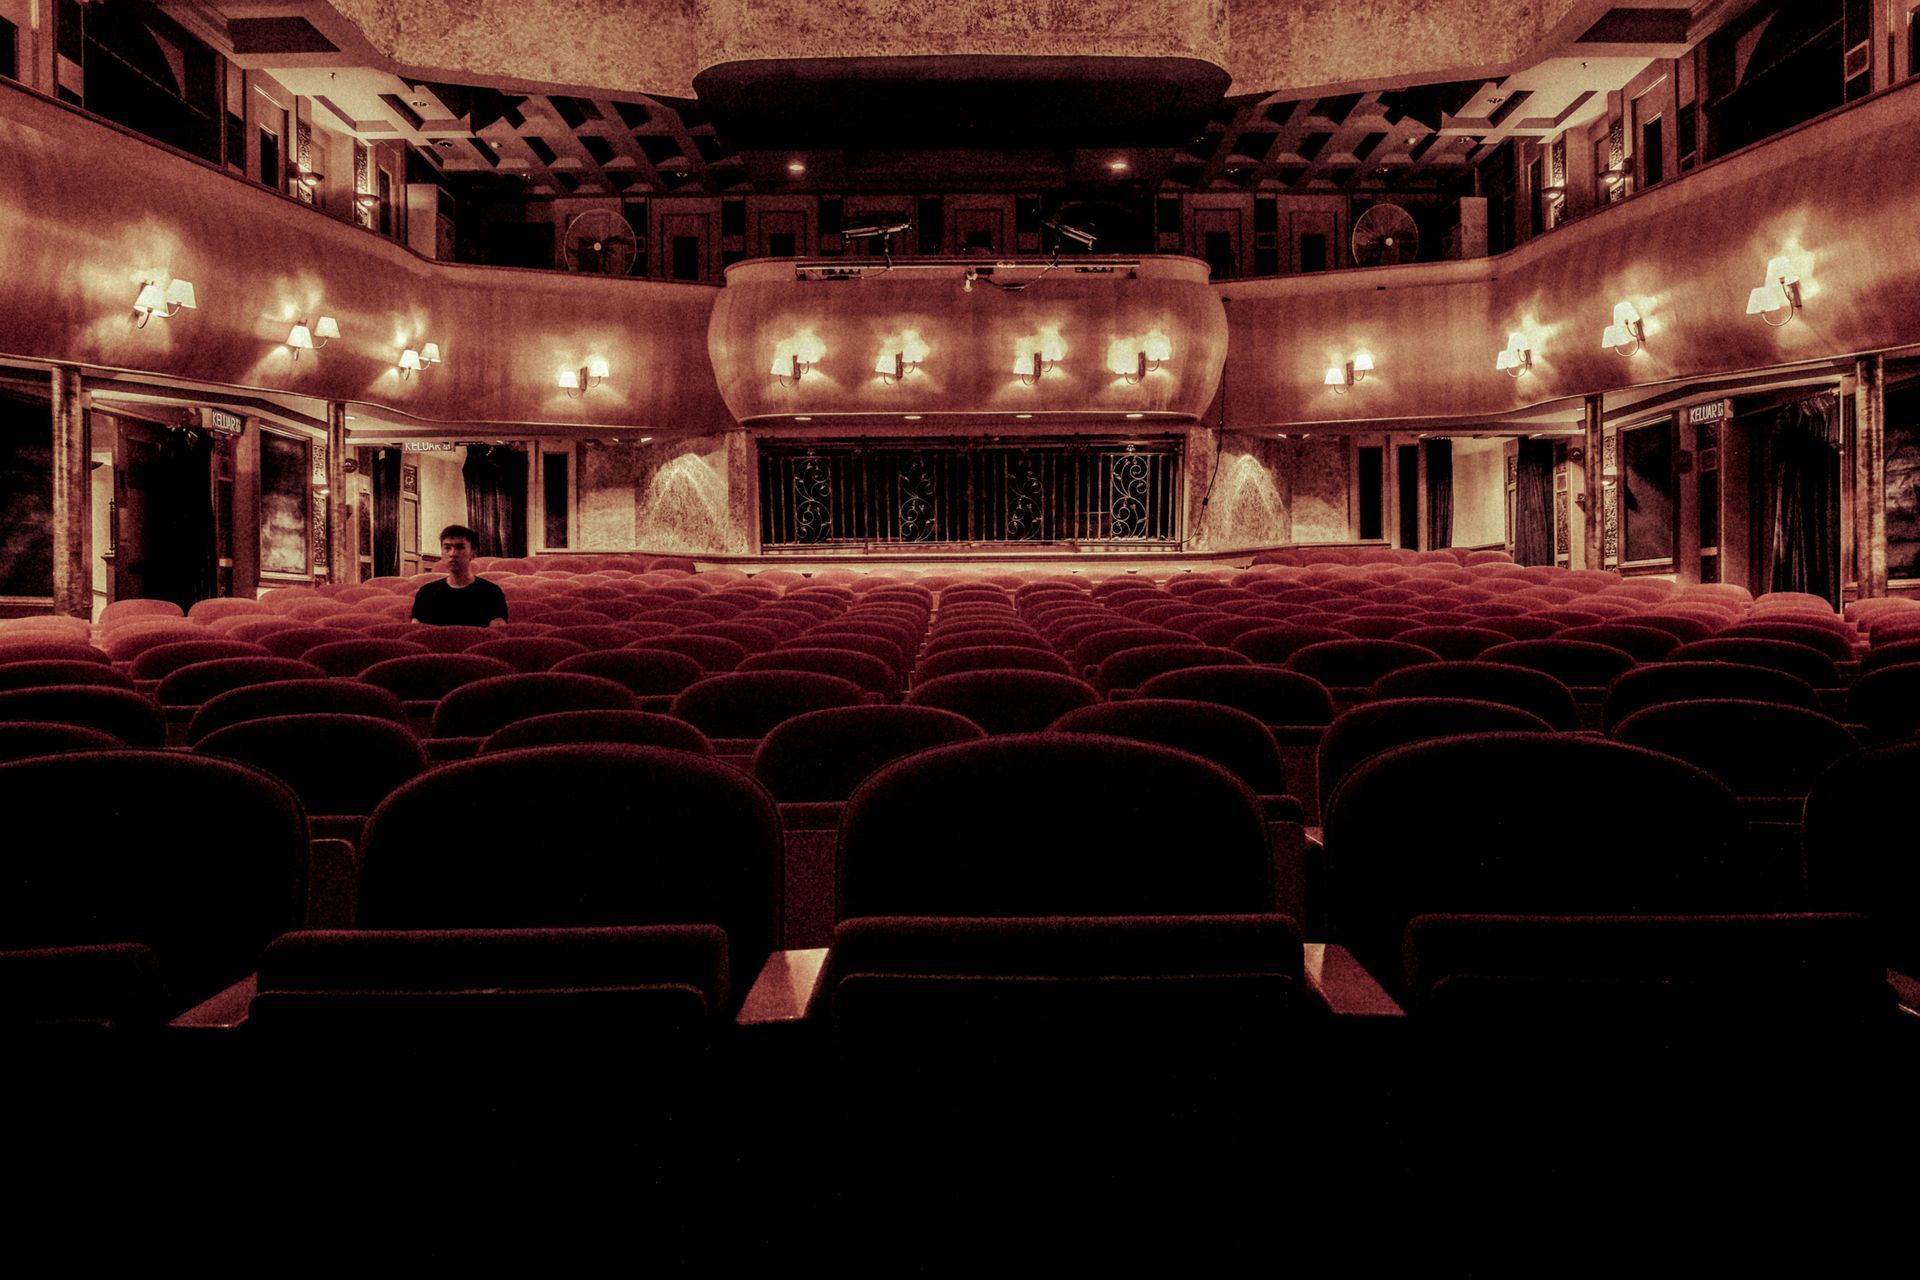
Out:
{"x": 1316, "y": 476}
{"x": 1479, "y": 492}
{"x": 606, "y": 477}
{"x": 658, "y": 46}
{"x": 1248, "y": 504}
{"x": 691, "y": 496}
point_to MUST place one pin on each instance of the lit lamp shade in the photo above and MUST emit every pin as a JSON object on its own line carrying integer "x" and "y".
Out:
{"x": 409, "y": 359}
{"x": 430, "y": 353}
{"x": 1158, "y": 347}
{"x": 1507, "y": 359}
{"x": 596, "y": 368}
{"x": 326, "y": 328}
{"x": 1336, "y": 376}
{"x": 151, "y": 298}
{"x": 1362, "y": 363}
{"x": 1767, "y": 298}
{"x": 301, "y": 339}
{"x": 179, "y": 294}
{"x": 1616, "y": 335}
{"x": 1780, "y": 270}
{"x": 569, "y": 378}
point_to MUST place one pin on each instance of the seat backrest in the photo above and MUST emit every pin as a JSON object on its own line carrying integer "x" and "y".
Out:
{"x": 337, "y": 764}
{"x": 747, "y": 704}
{"x": 1755, "y": 748}
{"x": 15, "y": 649}
{"x": 990, "y": 657}
{"x": 1230, "y": 738}
{"x": 126, "y": 715}
{"x": 310, "y": 696}
{"x": 1857, "y": 834}
{"x": 1646, "y": 644}
{"x": 192, "y": 685}
{"x": 528, "y": 653}
{"x": 824, "y": 755}
{"x": 163, "y": 660}
{"x": 1356, "y": 664}
{"x": 1827, "y": 640}
{"x": 1522, "y": 687}
{"x": 1278, "y": 643}
{"x": 1273, "y": 696}
{"x": 1407, "y": 834}
{"x": 1454, "y": 643}
{"x": 1362, "y": 732}
{"x": 1661, "y": 682}
{"x": 648, "y": 672}
{"x": 428, "y": 679}
{"x": 714, "y": 653}
{"x": 1811, "y": 665}
{"x": 293, "y": 642}
{"x": 351, "y": 657}
{"x": 872, "y": 674}
{"x": 478, "y": 709}
{"x": 1887, "y": 701}
{"x": 1130, "y": 668}
{"x": 202, "y": 860}
{"x": 1053, "y": 824}
{"x": 628, "y": 835}
{"x": 27, "y": 675}
{"x": 1578, "y": 664}
{"x": 641, "y": 728}
{"x": 1005, "y": 701}
{"x": 24, "y": 739}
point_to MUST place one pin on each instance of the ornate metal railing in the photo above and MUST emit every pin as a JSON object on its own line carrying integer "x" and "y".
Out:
{"x": 908, "y": 492}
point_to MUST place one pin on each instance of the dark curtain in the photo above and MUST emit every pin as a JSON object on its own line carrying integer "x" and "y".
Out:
{"x": 181, "y": 560}
{"x": 1804, "y": 440}
{"x": 496, "y": 477}
{"x": 386, "y": 513}
{"x": 1439, "y": 493}
{"x": 1533, "y": 504}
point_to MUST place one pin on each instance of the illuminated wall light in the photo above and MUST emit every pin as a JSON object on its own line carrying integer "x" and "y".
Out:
{"x": 1341, "y": 377}
{"x": 1779, "y": 296}
{"x": 1628, "y": 332}
{"x": 305, "y": 338}
{"x": 1037, "y": 355}
{"x": 900, "y": 356}
{"x": 1517, "y": 358}
{"x": 577, "y": 382}
{"x": 795, "y": 357}
{"x": 161, "y": 295}
{"x": 409, "y": 363}
{"x": 1132, "y": 359}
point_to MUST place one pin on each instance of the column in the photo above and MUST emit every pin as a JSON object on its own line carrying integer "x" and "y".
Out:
{"x": 1871, "y": 428}
{"x": 72, "y": 497}
{"x": 341, "y": 565}
{"x": 1594, "y": 445}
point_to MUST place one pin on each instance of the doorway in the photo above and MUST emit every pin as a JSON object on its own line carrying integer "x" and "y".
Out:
{"x": 162, "y": 519}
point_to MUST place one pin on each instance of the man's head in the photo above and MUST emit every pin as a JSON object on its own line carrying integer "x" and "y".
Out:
{"x": 456, "y": 550}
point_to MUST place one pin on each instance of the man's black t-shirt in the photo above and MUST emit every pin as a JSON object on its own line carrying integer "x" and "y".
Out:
{"x": 474, "y": 605}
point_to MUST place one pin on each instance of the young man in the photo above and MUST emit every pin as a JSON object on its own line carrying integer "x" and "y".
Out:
{"x": 461, "y": 600}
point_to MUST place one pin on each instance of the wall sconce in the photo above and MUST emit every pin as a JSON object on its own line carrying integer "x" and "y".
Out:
{"x": 1340, "y": 377}
{"x": 1628, "y": 332}
{"x": 1517, "y": 358}
{"x": 366, "y": 201}
{"x": 578, "y": 382}
{"x": 901, "y": 357}
{"x": 793, "y": 358}
{"x": 1131, "y": 360}
{"x": 308, "y": 178}
{"x": 1038, "y": 355}
{"x": 165, "y": 300}
{"x": 324, "y": 330}
{"x": 1780, "y": 296}
{"x": 412, "y": 362}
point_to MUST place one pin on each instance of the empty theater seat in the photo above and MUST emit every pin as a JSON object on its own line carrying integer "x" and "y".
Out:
{"x": 472, "y": 711}
{"x": 528, "y": 653}
{"x": 123, "y": 713}
{"x": 649, "y": 673}
{"x": 351, "y": 657}
{"x": 311, "y": 696}
{"x": 1887, "y": 702}
{"x": 1406, "y": 835}
{"x": 1663, "y": 682}
{"x": 1809, "y": 664}
{"x": 1356, "y": 664}
{"x": 873, "y": 675}
{"x": 1003, "y": 702}
{"x": 1858, "y": 838}
{"x": 1360, "y": 733}
{"x": 163, "y": 660}
{"x": 1532, "y": 691}
{"x": 24, "y": 739}
{"x": 341, "y": 766}
{"x": 14, "y": 649}
{"x": 29, "y": 674}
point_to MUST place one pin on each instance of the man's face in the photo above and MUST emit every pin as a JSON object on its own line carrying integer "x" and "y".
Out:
{"x": 455, "y": 554}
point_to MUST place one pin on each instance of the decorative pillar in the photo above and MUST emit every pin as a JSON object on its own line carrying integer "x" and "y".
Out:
{"x": 1871, "y": 428}
{"x": 342, "y": 566}
{"x": 1594, "y": 445}
{"x": 72, "y": 497}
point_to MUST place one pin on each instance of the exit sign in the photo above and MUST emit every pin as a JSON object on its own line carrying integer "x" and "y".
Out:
{"x": 1712, "y": 411}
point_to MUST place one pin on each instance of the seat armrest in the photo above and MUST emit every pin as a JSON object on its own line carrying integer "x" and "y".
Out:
{"x": 1348, "y": 989}
{"x": 1907, "y": 989}
{"x": 223, "y": 1011}
{"x": 785, "y": 989}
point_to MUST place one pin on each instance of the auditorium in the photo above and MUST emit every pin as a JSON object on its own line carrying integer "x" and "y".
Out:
{"x": 1113, "y": 636}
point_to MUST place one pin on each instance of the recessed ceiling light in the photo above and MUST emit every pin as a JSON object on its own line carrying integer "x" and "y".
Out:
{"x": 1134, "y": 417}
{"x": 796, "y": 166}
{"x": 803, "y": 418}
{"x": 1023, "y": 415}
{"x": 911, "y": 417}
{"x": 1118, "y": 166}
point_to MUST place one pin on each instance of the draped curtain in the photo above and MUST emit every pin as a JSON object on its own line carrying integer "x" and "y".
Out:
{"x": 1804, "y": 497}
{"x": 1439, "y": 493}
{"x": 496, "y": 477}
{"x": 1533, "y": 504}
{"x": 181, "y": 558}
{"x": 386, "y": 513}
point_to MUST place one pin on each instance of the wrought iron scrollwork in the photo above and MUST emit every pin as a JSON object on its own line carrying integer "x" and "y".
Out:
{"x": 1129, "y": 495}
{"x": 918, "y": 522}
{"x": 812, "y": 499}
{"x": 1023, "y": 497}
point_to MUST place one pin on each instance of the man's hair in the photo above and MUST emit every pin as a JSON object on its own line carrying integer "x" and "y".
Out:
{"x": 460, "y": 531}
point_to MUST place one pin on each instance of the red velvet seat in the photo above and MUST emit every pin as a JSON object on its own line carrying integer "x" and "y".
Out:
{"x": 1578, "y": 664}
{"x": 1659, "y": 683}
{"x": 1356, "y": 664}
{"x": 351, "y": 657}
{"x": 341, "y": 766}
{"x": 874, "y": 675}
{"x": 310, "y": 696}
{"x": 529, "y": 653}
{"x": 1129, "y": 668}
{"x": 748, "y": 704}
{"x": 24, "y": 739}
{"x": 1809, "y": 664}
{"x": 713, "y": 653}
{"x": 1003, "y": 702}
{"x": 294, "y": 642}
{"x": 1276, "y": 644}
{"x": 479, "y": 708}
{"x": 161, "y": 661}
{"x": 639, "y": 728}
{"x": 647, "y": 672}
{"x": 27, "y": 674}
{"x": 14, "y": 649}
{"x": 1360, "y": 733}
{"x": 1454, "y": 643}
{"x": 1522, "y": 687}
{"x": 190, "y": 686}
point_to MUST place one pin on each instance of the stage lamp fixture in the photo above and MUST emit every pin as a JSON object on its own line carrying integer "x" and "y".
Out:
{"x": 1778, "y": 297}
{"x": 577, "y": 382}
{"x": 1517, "y": 358}
{"x": 306, "y": 337}
{"x": 1342, "y": 377}
{"x": 1628, "y": 332}
{"x": 163, "y": 296}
